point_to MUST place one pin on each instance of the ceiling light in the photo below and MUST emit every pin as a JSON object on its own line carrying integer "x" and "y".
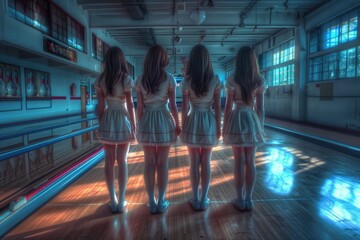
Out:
{"x": 198, "y": 16}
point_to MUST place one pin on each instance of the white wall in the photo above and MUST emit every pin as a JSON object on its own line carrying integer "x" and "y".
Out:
{"x": 342, "y": 110}
{"x": 278, "y": 102}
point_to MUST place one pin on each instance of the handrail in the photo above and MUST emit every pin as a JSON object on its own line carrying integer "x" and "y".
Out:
{"x": 43, "y": 119}
{"x": 21, "y": 133}
{"x": 15, "y": 152}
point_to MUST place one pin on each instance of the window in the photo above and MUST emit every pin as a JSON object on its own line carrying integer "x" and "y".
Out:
{"x": 31, "y": 12}
{"x": 99, "y": 48}
{"x": 66, "y": 29}
{"x": 347, "y": 63}
{"x": 55, "y": 22}
{"x": 276, "y": 56}
{"x": 76, "y": 32}
{"x": 315, "y": 69}
{"x": 331, "y": 36}
{"x": 349, "y": 25}
{"x": 314, "y": 41}
{"x": 329, "y": 66}
{"x": 280, "y": 61}
{"x": 287, "y": 52}
{"x": 339, "y": 60}
{"x": 58, "y": 26}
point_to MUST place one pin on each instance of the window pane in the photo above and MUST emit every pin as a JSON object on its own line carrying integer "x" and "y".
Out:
{"x": 342, "y": 64}
{"x": 31, "y": 12}
{"x": 351, "y": 63}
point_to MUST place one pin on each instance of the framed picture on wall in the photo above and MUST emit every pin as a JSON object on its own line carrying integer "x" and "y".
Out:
{"x": 10, "y": 85}
{"x": 38, "y": 89}
{"x": 37, "y": 83}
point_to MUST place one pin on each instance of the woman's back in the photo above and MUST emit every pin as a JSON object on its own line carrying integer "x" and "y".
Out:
{"x": 162, "y": 95}
{"x": 206, "y": 99}
{"x": 118, "y": 91}
{"x": 236, "y": 88}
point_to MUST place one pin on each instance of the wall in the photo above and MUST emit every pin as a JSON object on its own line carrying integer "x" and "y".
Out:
{"x": 22, "y": 45}
{"x": 61, "y": 79}
{"x": 342, "y": 108}
{"x": 278, "y": 101}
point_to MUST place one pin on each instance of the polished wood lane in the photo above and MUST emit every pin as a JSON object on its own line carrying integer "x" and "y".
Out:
{"x": 303, "y": 191}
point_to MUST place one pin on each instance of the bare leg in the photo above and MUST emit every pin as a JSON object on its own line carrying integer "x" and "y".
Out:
{"x": 194, "y": 154}
{"x": 250, "y": 172}
{"x": 162, "y": 159}
{"x": 149, "y": 173}
{"x": 205, "y": 158}
{"x": 109, "y": 175}
{"x": 122, "y": 153}
{"x": 239, "y": 171}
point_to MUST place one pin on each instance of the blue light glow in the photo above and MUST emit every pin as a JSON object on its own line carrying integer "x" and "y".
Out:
{"x": 341, "y": 201}
{"x": 280, "y": 177}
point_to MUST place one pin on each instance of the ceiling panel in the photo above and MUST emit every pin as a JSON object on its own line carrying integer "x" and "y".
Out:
{"x": 228, "y": 25}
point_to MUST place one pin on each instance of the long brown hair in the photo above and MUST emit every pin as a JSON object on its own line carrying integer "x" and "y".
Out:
{"x": 247, "y": 73}
{"x": 154, "y": 69}
{"x": 115, "y": 68}
{"x": 199, "y": 70}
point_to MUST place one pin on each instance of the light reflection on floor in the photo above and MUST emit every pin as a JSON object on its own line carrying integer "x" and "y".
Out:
{"x": 340, "y": 202}
{"x": 280, "y": 176}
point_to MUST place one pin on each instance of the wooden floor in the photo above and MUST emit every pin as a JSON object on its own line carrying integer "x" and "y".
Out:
{"x": 303, "y": 191}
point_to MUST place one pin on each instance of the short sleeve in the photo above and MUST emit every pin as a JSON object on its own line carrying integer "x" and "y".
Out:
{"x": 128, "y": 84}
{"x": 230, "y": 87}
{"x": 172, "y": 82}
{"x": 219, "y": 85}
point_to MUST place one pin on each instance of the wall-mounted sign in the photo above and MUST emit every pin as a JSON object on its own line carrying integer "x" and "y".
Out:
{"x": 55, "y": 48}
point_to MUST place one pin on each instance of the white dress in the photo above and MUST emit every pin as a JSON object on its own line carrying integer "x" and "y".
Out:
{"x": 115, "y": 126}
{"x": 243, "y": 128}
{"x": 156, "y": 127}
{"x": 199, "y": 129}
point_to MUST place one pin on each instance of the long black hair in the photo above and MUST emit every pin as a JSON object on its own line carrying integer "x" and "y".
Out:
{"x": 154, "y": 69}
{"x": 199, "y": 69}
{"x": 247, "y": 73}
{"x": 115, "y": 68}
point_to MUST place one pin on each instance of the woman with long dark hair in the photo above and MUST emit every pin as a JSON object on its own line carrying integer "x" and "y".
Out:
{"x": 201, "y": 126}
{"x": 158, "y": 127}
{"x": 244, "y": 123}
{"x": 116, "y": 122}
